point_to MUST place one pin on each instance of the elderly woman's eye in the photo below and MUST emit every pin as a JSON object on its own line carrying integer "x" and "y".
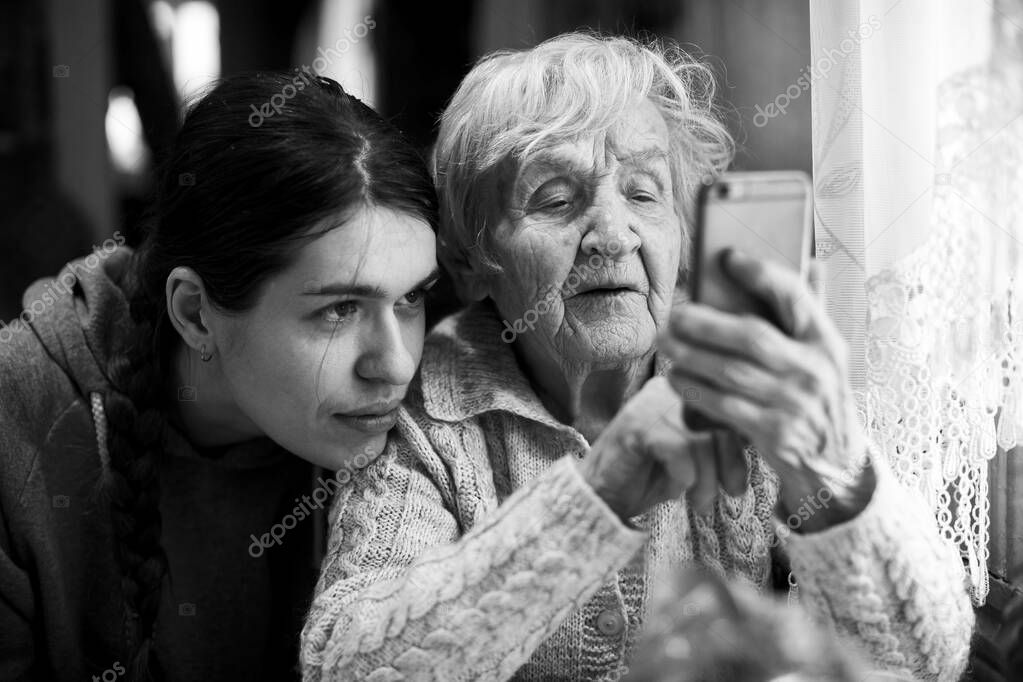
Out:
{"x": 552, "y": 196}
{"x": 642, "y": 192}
{"x": 555, "y": 203}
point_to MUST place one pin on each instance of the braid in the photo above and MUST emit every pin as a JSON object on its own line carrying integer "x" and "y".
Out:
{"x": 132, "y": 482}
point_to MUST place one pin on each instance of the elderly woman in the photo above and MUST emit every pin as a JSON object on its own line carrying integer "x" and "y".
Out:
{"x": 531, "y": 496}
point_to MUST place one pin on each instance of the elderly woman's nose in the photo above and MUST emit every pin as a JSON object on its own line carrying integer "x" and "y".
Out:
{"x": 609, "y": 230}
{"x": 386, "y": 357}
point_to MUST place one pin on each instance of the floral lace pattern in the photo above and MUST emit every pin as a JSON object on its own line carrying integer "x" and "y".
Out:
{"x": 940, "y": 391}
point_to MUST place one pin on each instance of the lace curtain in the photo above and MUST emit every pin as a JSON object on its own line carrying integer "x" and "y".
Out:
{"x": 918, "y": 184}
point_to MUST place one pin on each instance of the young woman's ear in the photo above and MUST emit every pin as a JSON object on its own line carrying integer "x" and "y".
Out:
{"x": 186, "y": 300}
{"x": 471, "y": 283}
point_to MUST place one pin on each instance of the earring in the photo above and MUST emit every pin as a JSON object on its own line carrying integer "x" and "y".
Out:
{"x": 203, "y": 355}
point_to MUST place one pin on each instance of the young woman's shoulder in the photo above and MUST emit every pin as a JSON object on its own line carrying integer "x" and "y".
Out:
{"x": 36, "y": 395}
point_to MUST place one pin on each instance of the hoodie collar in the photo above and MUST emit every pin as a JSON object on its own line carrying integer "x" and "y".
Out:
{"x": 82, "y": 319}
{"x": 81, "y": 316}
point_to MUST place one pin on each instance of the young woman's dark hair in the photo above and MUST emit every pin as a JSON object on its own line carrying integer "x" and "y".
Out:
{"x": 238, "y": 195}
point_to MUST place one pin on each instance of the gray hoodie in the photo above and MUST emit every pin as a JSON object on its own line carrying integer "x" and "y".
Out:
{"x": 232, "y": 603}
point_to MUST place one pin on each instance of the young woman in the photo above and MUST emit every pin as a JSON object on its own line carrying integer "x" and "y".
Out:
{"x": 163, "y": 409}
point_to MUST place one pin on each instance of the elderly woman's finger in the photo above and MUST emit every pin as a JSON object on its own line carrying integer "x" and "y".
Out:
{"x": 781, "y": 288}
{"x": 733, "y": 374}
{"x": 786, "y": 440}
{"x": 747, "y": 336}
{"x": 736, "y": 412}
{"x": 809, "y": 397}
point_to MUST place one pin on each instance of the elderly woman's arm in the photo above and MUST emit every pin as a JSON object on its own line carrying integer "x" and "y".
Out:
{"x": 404, "y": 595}
{"x": 887, "y": 581}
{"x": 407, "y": 593}
{"x": 869, "y": 554}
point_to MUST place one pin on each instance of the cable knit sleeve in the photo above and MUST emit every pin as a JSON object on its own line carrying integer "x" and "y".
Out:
{"x": 888, "y": 581}
{"x": 403, "y": 595}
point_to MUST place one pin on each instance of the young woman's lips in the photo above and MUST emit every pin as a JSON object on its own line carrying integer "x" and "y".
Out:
{"x": 372, "y": 424}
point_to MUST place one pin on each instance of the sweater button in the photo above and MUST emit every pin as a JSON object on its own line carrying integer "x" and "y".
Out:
{"x": 610, "y": 623}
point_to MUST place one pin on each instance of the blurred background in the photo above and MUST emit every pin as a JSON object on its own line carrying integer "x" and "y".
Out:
{"x": 97, "y": 88}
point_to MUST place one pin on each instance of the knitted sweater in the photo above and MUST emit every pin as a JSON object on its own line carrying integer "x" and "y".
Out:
{"x": 472, "y": 549}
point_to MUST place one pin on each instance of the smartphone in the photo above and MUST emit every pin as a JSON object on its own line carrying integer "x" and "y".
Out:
{"x": 767, "y": 214}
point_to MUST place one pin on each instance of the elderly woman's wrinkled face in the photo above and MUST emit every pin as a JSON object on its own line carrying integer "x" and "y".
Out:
{"x": 590, "y": 244}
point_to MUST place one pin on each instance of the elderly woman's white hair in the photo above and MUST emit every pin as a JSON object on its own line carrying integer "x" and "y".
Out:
{"x": 516, "y": 102}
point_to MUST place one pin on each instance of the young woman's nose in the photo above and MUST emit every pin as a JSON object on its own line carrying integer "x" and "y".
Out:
{"x": 386, "y": 357}
{"x": 609, "y": 228}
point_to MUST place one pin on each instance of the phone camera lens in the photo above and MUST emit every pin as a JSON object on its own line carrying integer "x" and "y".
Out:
{"x": 722, "y": 191}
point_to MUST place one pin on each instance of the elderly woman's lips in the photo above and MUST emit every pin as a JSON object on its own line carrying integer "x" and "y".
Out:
{"x": 605, "y": 291}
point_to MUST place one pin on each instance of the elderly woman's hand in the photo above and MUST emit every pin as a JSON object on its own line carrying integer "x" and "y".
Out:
{"x": 786, "y": 391}
{"x": 646, "y": 455}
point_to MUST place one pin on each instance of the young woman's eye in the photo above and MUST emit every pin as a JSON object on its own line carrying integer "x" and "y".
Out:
{"x": 340, "y": 312}
{"x": 415, "y": 299}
